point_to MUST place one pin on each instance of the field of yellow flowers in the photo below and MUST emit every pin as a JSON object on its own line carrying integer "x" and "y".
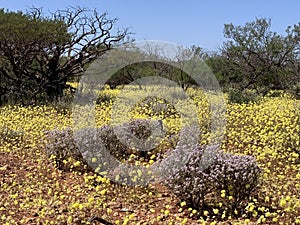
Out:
{"x": 33, "y": 191}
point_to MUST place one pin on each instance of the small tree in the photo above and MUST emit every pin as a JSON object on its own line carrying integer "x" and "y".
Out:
{"x": 253, "y": 57}
{"x": 39, "y": 53}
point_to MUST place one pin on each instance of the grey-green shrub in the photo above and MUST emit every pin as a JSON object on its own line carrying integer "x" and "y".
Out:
{"x": 238, "y": 175}
{"x": 101, "y": 143}
{"x": 61, "y": 146}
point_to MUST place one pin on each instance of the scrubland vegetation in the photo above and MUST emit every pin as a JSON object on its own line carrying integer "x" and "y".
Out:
{"x": 34, "y": 190}
{"x": 240, "y": 166}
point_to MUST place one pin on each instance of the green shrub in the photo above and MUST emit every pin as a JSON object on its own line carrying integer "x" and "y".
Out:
{"x": 237, "y": 96}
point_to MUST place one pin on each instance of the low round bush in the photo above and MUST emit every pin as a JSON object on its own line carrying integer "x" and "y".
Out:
{"x": 210, "y": 171}
{"x": 100, "y": 143}
{"x": 62, "y": 148}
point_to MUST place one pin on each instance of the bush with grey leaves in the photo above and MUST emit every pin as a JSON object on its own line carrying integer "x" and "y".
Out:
{"x": 210, "y": 172}
{"x": 102, "y": 143}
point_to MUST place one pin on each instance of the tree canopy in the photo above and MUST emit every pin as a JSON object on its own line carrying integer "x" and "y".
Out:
{"x": 254, "y": 57}
{"x": 39, "y": 53}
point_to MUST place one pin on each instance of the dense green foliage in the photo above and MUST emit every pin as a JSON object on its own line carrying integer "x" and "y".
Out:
{"x": 254, "y": 57}
{"x": 39, "y": 53}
